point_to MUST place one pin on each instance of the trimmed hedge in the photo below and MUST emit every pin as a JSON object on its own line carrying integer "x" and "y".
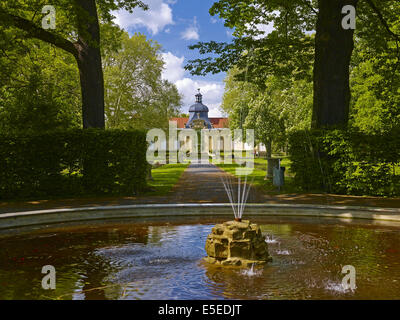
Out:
{"x": 72, "y": 163}
{"x": 346, "y": 162}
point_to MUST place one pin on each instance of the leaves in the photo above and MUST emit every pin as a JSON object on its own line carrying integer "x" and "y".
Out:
{"x": 46, "y": 164}
{"x": 136, "y": 96}
{"x": 286, "y": 51}
{"x": 39, "y": 88}
{"x": 346, "y": 161}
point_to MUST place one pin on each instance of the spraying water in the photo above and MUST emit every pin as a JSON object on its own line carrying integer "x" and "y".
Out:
{"x": 251, "y": 272}
{"x": 238, "y": 201}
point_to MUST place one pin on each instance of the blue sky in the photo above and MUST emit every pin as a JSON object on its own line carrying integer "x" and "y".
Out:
{"x": 176, "y": 24}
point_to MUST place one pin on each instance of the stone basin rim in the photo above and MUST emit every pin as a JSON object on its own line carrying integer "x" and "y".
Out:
{"x": 52, "y": 216}
{"x": 205, "y": 205}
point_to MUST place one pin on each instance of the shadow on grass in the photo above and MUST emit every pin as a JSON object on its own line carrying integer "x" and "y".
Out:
{"x": 164, "y": 178}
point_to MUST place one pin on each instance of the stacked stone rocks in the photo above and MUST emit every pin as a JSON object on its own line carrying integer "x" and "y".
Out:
{"x": 236, "y": 243}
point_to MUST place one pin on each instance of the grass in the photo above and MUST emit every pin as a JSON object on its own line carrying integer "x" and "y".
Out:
{"x": 259, "y": 173}
{"x": 164, "y": 178}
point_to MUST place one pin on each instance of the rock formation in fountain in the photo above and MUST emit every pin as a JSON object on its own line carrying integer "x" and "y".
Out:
{"x": 235, "y": 243}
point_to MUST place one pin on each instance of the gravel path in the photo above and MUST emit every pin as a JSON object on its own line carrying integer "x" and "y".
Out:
{"x": 200, "y": 183}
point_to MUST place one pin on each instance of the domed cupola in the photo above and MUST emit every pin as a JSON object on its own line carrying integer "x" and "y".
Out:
{"x": 198, "y": 118}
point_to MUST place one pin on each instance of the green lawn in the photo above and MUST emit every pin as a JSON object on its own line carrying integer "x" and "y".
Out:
{"x": 259, "y": 173}
{"x": 165, "y": 177}
{"x": 261, "y": 163}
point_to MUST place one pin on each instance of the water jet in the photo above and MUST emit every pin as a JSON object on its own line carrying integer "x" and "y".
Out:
{"x": 238, "y": 242}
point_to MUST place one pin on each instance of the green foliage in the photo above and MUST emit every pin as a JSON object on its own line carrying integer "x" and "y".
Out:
{"x": 39, "y": 88}
{"x": 67, "y": 11}
{"x": 287, "y": 51}
{"x": 39, "y": 84}
{"x": 237, "y": 98}
{"x": 79, "y": 36}
{"x": 72, "y": 163}
{"x": 136, "y": 96}
{"x": 375, "y": 84}
{"x": 346, "y": 162}
{"x": 283, "y": 106}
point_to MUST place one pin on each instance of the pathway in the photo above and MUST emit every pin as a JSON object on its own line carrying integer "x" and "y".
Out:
{"x": 200, "y": 183}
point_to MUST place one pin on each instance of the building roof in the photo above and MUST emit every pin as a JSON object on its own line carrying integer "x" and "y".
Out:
{"x": 220, "y": 123}
{"x": 217, "y": 123}
{"x": 181, "y": 122}
{"x": 199, "y": 114}
{"x": 198, "y": 107}
{"x": 199, "y": 117}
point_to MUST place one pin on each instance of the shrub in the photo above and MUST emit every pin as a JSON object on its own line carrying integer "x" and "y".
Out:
{"x": 72, "y": 163}
{"x": 346, "y": 161}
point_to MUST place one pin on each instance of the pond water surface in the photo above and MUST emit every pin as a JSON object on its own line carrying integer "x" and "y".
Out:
{"x": 163, "y": 260}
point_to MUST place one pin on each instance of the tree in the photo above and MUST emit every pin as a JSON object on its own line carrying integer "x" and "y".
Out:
{"x": 375, "y": 84}
{"x": 282, "y": 106}
{"x": 237, "y": 99}
{"x": 38, "y": 88}
{"x": 285, "y": 52}
{"x": 265, "y": 119}
{"x": 78, "y": 33}
{"x": 333, "y": 50}
{"x": 136, "y": 96}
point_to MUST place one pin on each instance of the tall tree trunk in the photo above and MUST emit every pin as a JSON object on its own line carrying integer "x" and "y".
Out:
{"x": 333, "y": 49}
{"x": 268, "y": 147}
{"x": 270, "y": 161}
{"x": 90, "y": 66}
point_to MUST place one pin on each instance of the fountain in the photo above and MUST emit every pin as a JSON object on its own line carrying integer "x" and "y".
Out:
{"x": 237, "y": 243}
{"x": 153, "y": 252}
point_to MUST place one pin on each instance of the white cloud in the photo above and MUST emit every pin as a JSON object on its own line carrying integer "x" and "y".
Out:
{"x": 173, "y": 67}
{"x": 212, "y": 90}
{"x": 265, "y": 28}
{"x": 212, "y": 94}
{"x": 155, "y": 19}
{"x": 192, "y": 32}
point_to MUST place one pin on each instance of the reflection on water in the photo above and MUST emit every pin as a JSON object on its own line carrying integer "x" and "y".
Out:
{"x": 163, "y": 260}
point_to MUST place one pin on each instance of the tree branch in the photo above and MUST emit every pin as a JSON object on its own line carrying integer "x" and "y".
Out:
{"x": 7, "y": 19}
{"x": 310, "y": 6}
{"x": 382, "y": 19}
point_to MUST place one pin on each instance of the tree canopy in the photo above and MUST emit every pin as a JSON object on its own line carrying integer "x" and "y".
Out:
{"x": 306, "y": 35}
{"x": 79, "y": 36}
{"x": 40, "y": 89}
{"x": 136, "y": 94}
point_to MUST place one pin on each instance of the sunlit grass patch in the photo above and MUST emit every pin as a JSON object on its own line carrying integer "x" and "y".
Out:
{"x": 164, "y": 178}
{"x": 257, "y": 177}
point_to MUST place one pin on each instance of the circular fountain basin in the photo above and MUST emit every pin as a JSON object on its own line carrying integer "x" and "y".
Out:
{"x": 159, "y": 257}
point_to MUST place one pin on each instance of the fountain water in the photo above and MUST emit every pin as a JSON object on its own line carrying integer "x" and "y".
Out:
{"x": 237, "y": 243}
{"x": 242, "y": 196}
